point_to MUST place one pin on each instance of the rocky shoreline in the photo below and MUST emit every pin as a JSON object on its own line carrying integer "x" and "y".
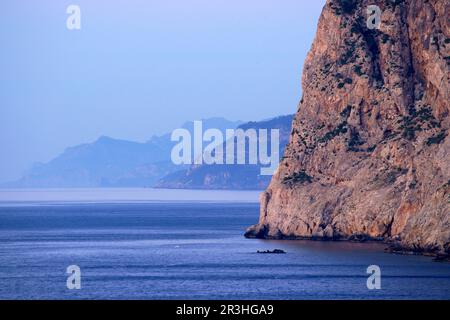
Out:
{"x": 393, "y": 247}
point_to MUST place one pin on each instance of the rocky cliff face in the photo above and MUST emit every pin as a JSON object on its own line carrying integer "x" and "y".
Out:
{"x": 369, "y": 152}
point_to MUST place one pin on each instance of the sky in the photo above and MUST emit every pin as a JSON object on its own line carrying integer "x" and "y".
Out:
{"x": 142, "y": 67}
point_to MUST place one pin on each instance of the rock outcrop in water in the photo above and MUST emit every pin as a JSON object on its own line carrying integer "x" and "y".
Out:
{"x": 369, "y": 152}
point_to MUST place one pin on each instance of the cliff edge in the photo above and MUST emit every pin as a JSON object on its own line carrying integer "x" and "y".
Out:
{"x": 369, "y": 152}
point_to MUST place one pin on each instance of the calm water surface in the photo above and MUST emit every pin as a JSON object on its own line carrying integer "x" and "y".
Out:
{"x": 187, "y": 249}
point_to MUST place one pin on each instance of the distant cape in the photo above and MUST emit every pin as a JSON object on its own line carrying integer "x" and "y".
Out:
{"x": 109, "y": 162}
{"x": 226, "y": 176}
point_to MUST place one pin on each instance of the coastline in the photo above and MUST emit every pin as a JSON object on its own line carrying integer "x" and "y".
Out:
{"x": 392, "y": 246}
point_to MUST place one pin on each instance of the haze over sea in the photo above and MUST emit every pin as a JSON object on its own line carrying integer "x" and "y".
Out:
{"x": 181, "y": 244}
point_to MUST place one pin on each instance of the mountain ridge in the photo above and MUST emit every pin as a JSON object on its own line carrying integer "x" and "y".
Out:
{"x": 230, "y": 176}
{"x": 110, "y": 162}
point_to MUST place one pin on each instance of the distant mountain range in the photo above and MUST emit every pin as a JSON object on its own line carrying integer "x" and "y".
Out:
{"x": 109, "y": 162}
{"x": 226, "y": 176}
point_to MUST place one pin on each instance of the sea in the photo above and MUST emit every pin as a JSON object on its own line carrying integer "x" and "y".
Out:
{"x": 185, "y": 244}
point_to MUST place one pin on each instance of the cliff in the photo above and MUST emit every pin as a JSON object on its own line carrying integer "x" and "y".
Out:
{"x": 369, "y": 151}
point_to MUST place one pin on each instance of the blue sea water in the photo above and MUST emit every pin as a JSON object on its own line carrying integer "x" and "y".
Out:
{"x": 189, "y": 250}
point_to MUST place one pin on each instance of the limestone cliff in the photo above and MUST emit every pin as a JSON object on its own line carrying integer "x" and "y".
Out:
{"x": 369, "y": 152}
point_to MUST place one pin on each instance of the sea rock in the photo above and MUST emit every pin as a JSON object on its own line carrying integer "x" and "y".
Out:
{"x": 274, "y": 251}
{"x": 369, "y": 152}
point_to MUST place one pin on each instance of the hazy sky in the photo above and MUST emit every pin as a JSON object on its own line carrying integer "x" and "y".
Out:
{"x": 138, "y": 68}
